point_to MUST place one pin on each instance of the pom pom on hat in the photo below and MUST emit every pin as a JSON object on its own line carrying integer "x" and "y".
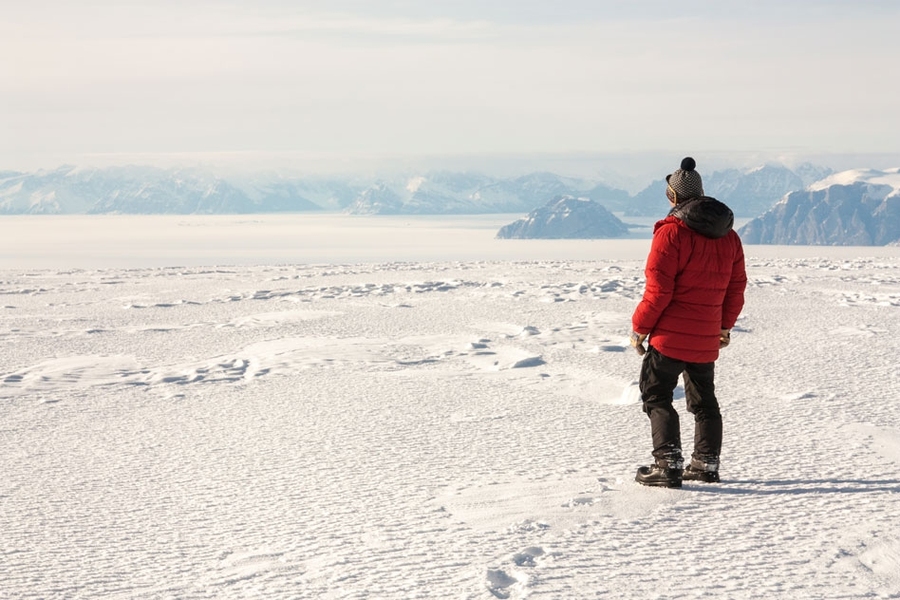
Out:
{"x": 686, "y": 182}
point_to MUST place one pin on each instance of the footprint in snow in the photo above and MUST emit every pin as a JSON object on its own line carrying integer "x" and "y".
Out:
{"x": 499, "y": 582}
{"x": 579, "y": 501}
{"x": 526, "y": 558}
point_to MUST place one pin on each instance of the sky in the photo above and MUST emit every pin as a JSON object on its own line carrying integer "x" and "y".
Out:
{"x": 343, "y": 80}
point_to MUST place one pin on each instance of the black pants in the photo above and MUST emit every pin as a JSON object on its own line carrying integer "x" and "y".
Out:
{"x": 659, "y": 377}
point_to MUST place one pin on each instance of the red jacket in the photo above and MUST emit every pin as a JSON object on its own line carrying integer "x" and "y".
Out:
{"x": 695, "y": 281}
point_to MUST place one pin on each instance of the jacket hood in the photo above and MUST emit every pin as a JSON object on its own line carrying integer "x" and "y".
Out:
{"x": 707, "y": 216}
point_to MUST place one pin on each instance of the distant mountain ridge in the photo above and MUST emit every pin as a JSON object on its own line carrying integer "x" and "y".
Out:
{"x": 152, "y": 190}
{"x": 747, "y": 193}
{"x": 853, "y": 208}
{"x": 142, "y": 190}
{"x": 464, "y": 193}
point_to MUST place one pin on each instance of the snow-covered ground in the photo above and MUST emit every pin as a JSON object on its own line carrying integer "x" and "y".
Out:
{"x": 452, "y": 428}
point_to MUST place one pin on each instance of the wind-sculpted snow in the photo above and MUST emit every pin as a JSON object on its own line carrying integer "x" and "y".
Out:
{"x": 436, "y": 430}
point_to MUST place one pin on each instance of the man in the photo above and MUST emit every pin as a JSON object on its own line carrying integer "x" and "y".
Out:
{"x": 693, "y": 296}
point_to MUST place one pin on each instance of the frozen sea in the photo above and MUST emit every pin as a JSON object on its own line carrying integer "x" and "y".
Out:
{"x": 326, "y": 406}
{"x": 110, "y": 241}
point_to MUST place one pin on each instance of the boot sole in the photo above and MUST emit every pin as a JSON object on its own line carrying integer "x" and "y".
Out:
{"x": 661, "y": 484}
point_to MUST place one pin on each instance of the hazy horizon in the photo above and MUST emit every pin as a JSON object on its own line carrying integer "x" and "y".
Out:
{"x": 348, "y": 84}
{"x": 631, "y": 171}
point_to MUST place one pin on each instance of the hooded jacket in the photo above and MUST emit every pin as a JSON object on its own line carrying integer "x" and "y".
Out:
{"x": 695, "y": 281}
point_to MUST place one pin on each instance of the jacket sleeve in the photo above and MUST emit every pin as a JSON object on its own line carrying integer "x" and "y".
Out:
{"x": 734, "y": 294}
{"x": 662, "y": 267}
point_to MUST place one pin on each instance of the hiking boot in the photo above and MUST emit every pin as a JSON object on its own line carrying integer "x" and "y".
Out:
{"x": 705, "y": 469}
{"x": 657, "y": 476}
{"x": 692, "y": 474}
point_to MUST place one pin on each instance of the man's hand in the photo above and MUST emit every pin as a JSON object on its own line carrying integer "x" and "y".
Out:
{"x": 724, "y": 338}
{"x": 637, "y": 340}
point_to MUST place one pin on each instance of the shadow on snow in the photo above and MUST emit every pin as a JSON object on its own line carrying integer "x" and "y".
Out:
{"x": 809, "y": 486}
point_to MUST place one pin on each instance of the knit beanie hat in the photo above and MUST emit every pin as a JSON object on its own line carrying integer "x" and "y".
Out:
{"x": 686, "y": 182}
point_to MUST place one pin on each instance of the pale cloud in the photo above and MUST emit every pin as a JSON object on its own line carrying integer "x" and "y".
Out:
{"x": 354, "y": 78}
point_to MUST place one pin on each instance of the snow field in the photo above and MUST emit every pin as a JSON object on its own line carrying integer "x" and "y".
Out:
{"x": 436, "y": 430}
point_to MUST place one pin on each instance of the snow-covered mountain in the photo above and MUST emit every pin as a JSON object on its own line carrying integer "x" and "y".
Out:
{"x": 754, "y": 192}
{"x": 438, "y": 193}
{"x": 67, "y": 190}
{"x": 151, "y": 190}
{"x": 566, "y": 217}
{"x": 272, "y": 192}
{"x": 377, "y": 199}
{"x": 853, "y": 208}
{"x": 747, "y": 193}
{"x": 143, "y": 190}
{"x": 466, "y": 193}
